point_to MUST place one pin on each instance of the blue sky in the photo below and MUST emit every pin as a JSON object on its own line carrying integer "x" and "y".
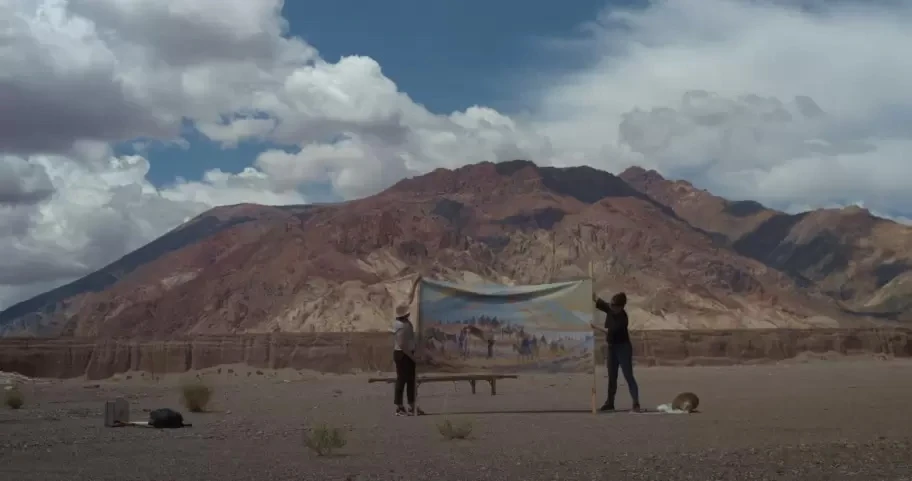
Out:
{"x": 748, "y": 99}
{"x": 446, "y": 55}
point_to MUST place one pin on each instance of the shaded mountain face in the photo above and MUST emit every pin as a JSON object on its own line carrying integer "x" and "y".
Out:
{"x": 861, "y": 261}
{"x": 684, "y": 263}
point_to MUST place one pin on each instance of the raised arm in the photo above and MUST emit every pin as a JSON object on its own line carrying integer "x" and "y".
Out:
{"x": 601, "y": 305}
{"x": 414, "y": 288}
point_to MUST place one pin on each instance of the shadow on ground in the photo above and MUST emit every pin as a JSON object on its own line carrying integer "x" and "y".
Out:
{"x": 524, "y": 411}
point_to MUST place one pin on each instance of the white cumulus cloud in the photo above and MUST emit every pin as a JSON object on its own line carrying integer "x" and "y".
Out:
{"x": 795, "y": 107}
{"x": 773, "y": 101}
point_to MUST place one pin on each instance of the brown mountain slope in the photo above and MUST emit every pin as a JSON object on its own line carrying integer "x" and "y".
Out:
{"x": 341, "y": 267}
{"x": 862, "y": 261}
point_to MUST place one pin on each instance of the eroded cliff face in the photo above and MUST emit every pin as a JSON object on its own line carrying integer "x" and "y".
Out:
{"x": 343, "y": 353}
{"x": 857, "y": 259}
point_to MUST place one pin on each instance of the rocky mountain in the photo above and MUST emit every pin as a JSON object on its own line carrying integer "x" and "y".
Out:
{"x": 862, "y": 261}
{"x": 687, "y": 259}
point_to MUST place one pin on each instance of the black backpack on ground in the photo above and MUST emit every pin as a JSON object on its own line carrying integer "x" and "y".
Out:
{"x": 166, "y": 418}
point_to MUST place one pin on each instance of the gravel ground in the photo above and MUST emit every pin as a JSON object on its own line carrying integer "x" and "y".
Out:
{"x": 819, "y": 420}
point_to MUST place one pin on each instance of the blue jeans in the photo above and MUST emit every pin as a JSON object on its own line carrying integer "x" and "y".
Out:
{"x": 621, "y": 356}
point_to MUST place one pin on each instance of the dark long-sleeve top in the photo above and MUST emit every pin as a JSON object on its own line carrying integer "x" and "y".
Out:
{"x": 615, "y": 323}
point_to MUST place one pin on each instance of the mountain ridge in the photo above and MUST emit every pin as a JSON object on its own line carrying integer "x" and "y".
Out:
{"x": 848, "y": 252}
{"x": 688, "y": 259}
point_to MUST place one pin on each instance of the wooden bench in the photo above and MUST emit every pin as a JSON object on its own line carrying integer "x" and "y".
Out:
{"x": 471, "y": 378}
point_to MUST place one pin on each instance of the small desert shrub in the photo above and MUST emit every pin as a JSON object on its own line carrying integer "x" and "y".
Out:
{"x": 196, "y": 396}
{"x": 323, "y": 440}
{"x": 449, "y": 430}
{"x": 14, "y": 398}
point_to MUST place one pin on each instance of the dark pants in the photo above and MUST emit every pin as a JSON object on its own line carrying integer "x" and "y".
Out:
{"x": 405, "y": 378}
{"x": 621, "y": 356}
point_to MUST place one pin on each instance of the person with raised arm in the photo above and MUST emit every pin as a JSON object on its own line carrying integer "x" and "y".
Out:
{"x": 404, "y": 347}
{"x": 620, "y": 350}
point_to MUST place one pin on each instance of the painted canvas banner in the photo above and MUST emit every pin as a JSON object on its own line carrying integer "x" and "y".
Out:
{"x": 500, "y": 328}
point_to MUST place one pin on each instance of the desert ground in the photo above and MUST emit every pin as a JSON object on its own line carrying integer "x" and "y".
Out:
{"x": 809, "y": 419}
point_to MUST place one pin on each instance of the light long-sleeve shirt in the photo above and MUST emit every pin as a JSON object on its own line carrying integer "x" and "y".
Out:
{"x": 404, "y": 336}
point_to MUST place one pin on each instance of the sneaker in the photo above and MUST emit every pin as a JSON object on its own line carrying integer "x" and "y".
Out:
{"x": 606, "y": 407}
{"x": 636, "y": 408}
{"x": 400, "y": 411}
{"x": 416, "y": 411}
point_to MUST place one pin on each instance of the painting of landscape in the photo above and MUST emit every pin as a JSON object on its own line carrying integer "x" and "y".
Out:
{"x": 501, "y": 328}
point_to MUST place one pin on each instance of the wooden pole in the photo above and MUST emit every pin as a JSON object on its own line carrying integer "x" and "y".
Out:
{"x": 594, "y": 357}
{"x": 553, "y": 259}
{"x": 419, "y": 338}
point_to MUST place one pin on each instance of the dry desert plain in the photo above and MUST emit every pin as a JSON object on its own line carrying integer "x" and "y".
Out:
{"x": 847, "y": 418}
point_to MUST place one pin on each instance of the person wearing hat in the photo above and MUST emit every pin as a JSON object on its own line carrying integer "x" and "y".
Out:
{"x": 404, "y": 356}
{"x": 620, "y": 350}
